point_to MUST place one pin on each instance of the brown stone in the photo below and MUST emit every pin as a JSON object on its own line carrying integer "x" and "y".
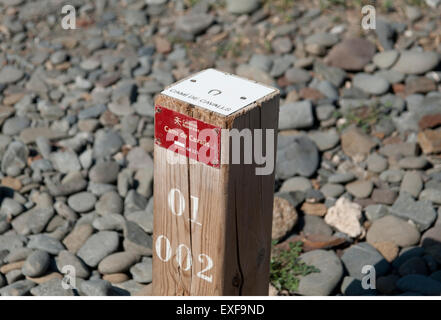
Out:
{"x": 351, "y": 54}
{"x": 292, "y": 96}
{"x": 314, "y": 209}
{"x": 388, "y": 250}
{"x": 45, "y": 278}
{"x": 11, "y": 266}
{"x": 420, "y": 85}
{"x": 311, "y": 94}
{"x": 355, "y": 143}
{"x": 108, "y": 118}
{"x": 12, "y": 183}
{"x": 13, "y": 98}
{"x": 398, "y": 88}
{"x": 162, "y": 45}
{"x": 430, "y": 141}
{"x": 284, "y": 218}
{"x": 108, "y": 80}
{"x": 116, "y": 277}
{"x": 312, "y": 242}
{"x": 384, "y": 196}
{"x": 75, "y": 240}
{"x": 430, "y": 121}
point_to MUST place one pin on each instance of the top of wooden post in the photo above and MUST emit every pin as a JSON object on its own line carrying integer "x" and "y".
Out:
{"x": 219, "y": 92}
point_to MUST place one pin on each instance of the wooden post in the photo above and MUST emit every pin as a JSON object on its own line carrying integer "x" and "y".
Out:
{"x": 212, "y": 218}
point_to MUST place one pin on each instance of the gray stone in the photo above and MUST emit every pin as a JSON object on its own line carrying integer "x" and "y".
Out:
{"x": 95, "y": 287}
{"x": 36, "y": 264}
{"x": 17, "y": 254}
{"x": 325, "y": 140}
{"x": 296, "y": 115}
{"x": 343, "y": 177}
{"x": 118, "y": 262}
{"x": 110, "y": 221}
{"x": 242, "y": 7}
{"x": 104, "y": 172}
{"x": 44, "y": 146}
{"x": 14, "y": 125}
{"x": 193, "y": 24}
{"x": 324, "y": 111}
{"x": 135, "y": 18}
{"x": 331, "y": 190}
{"x": 98, "y": 246}
{"x": 14, "y": 159}
{"x": 392, "y": 175}
{"x": 297, "y": 76}
{"x": 433, "y": 195}
{"x": 376, "y": 211}
{"x": 282, "y": 45}
{"x": 334, "y": 75}
{"x": 138, "y": 158}
{"x": 413, "y": 13}
{"x": 414, "y": 62}
{"x": 413, "y": 163}
{"x": 10, "y": 74}
{"x": 256, "y": 74}
{"x": 296, "y": 155}
{"x": 19, "y": 288}
{"x": 52, "y": 287}
{"x": 391, "y": 76}
{"x": 360, "y": 255}
{"x": 136, "y": 240}
{"x": 420, "y": 212}
{"x": 107, "y": 142}
{"x": 322, "y": 38}
{"x": 296, "y": 184}
{"x": 65, "y": 161}
{"x": 143, "y": 218}
{"x": 58, "y": 57}
{"x": 142, "y": 272}
{"x": 66, "y": 258}
{"x": 386, "y": 59}
{"x": 360, "y": 188}
{"x": 11, "y": 242}
{"x": 412, "y": 183}
{"x": 393, "y": 229}
{"x": 420, "y": 284}
{"x": 134, "y": 202}
{"x": 110, "y": 202}
{"x": 376, "y": 163}
{"x": 45, "y": 243}
{"x": 14, "y": 275}
{"x": 33, "y": 221}
{"x": 10, "y": 208}
{"x": 314, "y": 225}
{"x": 370, "y": 83}
{"x": 82, "y": 202}
{"x": 323, "y": 282}
{"x": 261, "y": 61}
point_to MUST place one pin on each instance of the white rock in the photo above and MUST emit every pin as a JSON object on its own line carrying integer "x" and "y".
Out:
{"x": 345, "y": 217}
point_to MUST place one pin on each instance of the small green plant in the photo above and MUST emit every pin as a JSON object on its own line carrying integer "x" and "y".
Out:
{"x": 286, "y": 267}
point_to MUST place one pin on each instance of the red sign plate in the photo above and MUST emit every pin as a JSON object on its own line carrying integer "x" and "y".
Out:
{"x": 187, "y": 136}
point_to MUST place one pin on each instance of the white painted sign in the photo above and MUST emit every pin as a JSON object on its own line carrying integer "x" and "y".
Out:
{"x": 218, "y": 91}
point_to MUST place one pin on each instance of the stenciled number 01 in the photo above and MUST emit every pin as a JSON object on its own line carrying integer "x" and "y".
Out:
{"x": 180, "y": 249}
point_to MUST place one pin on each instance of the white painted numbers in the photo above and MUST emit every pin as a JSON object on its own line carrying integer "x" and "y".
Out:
{"x": 163, "y": 248}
